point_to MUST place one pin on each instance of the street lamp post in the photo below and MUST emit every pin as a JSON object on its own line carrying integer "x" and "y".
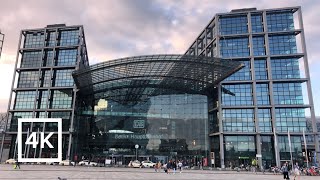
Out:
{"x": 136, "y": 146}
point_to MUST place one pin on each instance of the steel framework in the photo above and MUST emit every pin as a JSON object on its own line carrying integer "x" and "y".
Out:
{"x": 136, "y": 78}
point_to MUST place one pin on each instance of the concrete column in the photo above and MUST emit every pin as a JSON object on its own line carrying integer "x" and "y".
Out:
{"x": 254, "y": 94}
{"x": 273, "y": 114}
{"x": 75, "y": 90}
{"x": 219, "y": 96}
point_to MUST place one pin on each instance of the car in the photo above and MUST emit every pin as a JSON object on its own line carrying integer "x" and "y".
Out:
{"x": 148, "y": 164}
{"x": 134, "y": 164}
{"x": 52, "y": 163}
{"x": 86, "y": 163}
{"x": 11, "y": 161}
{"x": 66, "y": 163}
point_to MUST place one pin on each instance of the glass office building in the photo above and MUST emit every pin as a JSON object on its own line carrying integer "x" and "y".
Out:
{"x": 266, "y": 100}
{"x": 43, "y": 86}
{"x": 235, "y": 94}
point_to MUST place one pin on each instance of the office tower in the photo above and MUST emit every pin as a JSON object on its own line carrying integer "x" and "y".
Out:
{"x": 43, "y": 86}
{"x": 264, "y": 96}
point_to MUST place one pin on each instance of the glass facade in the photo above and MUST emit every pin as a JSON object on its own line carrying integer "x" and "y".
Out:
{"x": 45, "y": 86}
{"x": 265, "y": 95}
{"x": 239, "y": 150}
{"x": 237, "y": 47}
{"x": 164, "y": 126}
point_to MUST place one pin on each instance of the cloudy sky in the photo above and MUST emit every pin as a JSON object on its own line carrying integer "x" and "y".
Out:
{"x": 119, "y": 28}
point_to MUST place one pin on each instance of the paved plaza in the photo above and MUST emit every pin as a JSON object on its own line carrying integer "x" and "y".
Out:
{"x": 91, "y": 173}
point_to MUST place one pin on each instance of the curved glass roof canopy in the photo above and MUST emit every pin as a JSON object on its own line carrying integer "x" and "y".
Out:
{"x": 137, "y": 78}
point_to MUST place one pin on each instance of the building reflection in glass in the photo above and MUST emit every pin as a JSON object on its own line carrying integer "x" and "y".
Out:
{"x": 164, "y": 126}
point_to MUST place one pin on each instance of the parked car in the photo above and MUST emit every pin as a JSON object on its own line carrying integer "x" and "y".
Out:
{"x": 11, "y": 161}
{"x": 66, "y": 163}
{"x": 52, "y": 163}
{"x": 135, "y": 164}
{"x": 86, "y": 163}
{"x": 148, "y": 164}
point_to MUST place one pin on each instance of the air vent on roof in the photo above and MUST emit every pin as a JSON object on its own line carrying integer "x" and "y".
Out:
{"x": 56, "y": 25}
{"x": 243, "y": 10}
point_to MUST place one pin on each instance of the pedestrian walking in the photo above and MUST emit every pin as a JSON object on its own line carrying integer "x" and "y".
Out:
{"x": 16, "y": 164}
{"x": 169, "y": 166}
{"x": 174, "y": 167}
{"x": 180, "y": 166}
{"x": 285, "y": 171}
{"x": 296, "y": 171}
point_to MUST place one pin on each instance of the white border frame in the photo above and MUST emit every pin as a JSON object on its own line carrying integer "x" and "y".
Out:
{"x": 57, "y": 120}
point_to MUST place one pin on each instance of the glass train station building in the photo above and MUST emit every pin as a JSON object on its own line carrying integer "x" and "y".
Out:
{"x": 234, "y": 94}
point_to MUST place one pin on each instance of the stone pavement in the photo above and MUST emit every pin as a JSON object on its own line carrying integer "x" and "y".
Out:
{"x": 91, "y": 173}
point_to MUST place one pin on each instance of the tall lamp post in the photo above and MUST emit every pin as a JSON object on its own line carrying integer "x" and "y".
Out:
{"x": 136, "y": 146}
{"x": 194, "y": 147}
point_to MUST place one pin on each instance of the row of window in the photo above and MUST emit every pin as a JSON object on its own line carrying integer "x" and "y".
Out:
{"x": 247, "y": 143}
{"x": 239, "y": 25}
{"x": 62, "y": 38}
{"x": 239, "y": 47}
{"x": 281, "y": 69}
{"x": 242, "y": 95}
{"x": 32, "y": 79}
{"x": 287, "y": 119}
{"x": 63, "y": 57}
{"x": 54, "y": 99}
{"x": 66, "y": 117}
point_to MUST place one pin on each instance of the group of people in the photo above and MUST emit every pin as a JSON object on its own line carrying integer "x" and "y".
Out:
{"x": 285, "y": 171}
{"x": 172, "y": 166}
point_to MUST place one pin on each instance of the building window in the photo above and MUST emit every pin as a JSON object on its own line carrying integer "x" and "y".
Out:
{"x": 285, "y": 68}
{"x": 256, "y": 23}
{"x": 237, "y": 95}
{"x": 28, "y": 79}
{"x": 264, "y": 117}
{"x": 262, "y": 92}
{"x": 237, "y": 47}
{"x": 61, "y": 99}
{"x": 25, "y": 99}
{"x": 42, "y": 99}
{"x": 243, "y": 74}
{"x": 45, "y": 78}
{"x": 238, "y": 120}
{"x": 69, "y": 38}
{"x": 258, "y": 46}
{"x": 64, "y": 77}
{"x": 66, "y": 57}
{"x": 233, "y": 25}
{"x": 48, "y": 58}
{"x": 51, "y": 39}
{"x": 34, "y": 40}
{"x": 267, "y": 150}
{"x": 280, "y": 21}
{"x": 66, "y": 118}
{"x": 239, "y": 150}
{"x": 287, "y": 93}
{"x": 260, "y": 67}
{"x": 31, "y": 59}
{"x": 296, "y": 148}
{"x": 284, "y": 44}
{"x": 290, "y": 119}
{"x": 14, "y": 121}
